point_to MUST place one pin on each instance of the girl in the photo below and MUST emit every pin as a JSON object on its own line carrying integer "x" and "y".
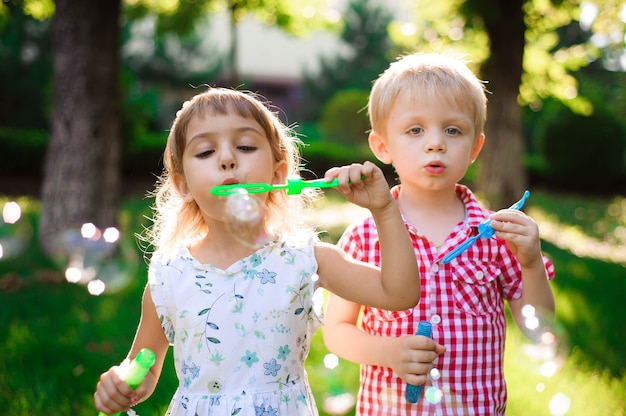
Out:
{"x": 241, "y": 317}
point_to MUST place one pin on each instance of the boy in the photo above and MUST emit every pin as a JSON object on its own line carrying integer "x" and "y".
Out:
{"x": 427, "y": 114}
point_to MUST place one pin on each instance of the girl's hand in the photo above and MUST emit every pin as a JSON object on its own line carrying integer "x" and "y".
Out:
{"x": 521, "y": 234}
{"x": 362, "y": 184}
{"x": 113, "y": 394}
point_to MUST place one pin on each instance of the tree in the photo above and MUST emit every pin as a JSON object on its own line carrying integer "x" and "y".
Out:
{"x": 82, "y": 168}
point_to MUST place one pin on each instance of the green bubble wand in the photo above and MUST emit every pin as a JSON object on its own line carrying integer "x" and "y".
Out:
{"x": 137, "y": 370}
{"x": 294, "y": 186}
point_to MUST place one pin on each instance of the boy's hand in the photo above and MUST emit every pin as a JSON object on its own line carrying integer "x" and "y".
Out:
{"x": 411, "y": 357}
{"x": 521, "y": 234}
{"x": 362, "y": 184}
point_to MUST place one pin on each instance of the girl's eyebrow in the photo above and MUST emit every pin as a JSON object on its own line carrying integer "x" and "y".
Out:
{"x": 211, "y": 134}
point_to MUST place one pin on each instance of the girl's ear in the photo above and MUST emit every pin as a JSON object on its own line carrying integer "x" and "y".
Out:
{"x": 379, "y": 147}
{"x": 181, "y": 186}
{"x": 477, "y": 147}
{"x": 280, "y": 173}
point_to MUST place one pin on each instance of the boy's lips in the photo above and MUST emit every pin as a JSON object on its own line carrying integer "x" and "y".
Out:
{"x": 435, "y": 167}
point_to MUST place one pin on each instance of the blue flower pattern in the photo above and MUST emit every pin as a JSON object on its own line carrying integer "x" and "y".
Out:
{"x": 236, "y": 350}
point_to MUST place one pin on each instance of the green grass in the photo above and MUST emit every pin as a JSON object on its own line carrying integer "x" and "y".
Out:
{"x": 56, "y": 338}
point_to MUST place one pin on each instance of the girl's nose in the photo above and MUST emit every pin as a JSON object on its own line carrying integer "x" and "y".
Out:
{"x": 227, "y": 160}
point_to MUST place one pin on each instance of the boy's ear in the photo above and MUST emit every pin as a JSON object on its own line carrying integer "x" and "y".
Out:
{"x": 477, "y": 147}
{"x": 181, "y": 186}
{"x": 379, "y": 147}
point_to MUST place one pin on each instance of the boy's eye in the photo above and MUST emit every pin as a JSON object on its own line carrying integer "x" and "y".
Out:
{"x": 416, "y": 130}
{"x": 453, "y": 131}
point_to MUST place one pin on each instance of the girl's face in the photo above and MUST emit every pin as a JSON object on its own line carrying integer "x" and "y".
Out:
{"x": 430, "y": 143}
{"x": 224, "y": 149}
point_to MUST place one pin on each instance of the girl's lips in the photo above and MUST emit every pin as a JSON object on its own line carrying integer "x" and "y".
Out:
{"x": 230, "y": 181}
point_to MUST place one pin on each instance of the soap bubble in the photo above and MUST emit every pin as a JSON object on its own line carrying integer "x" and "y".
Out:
{"x": 95, "y": 258}
{"x": 546, "y": 340}
{"x": 15, "y": 231}
{"x": 244, "y": 215}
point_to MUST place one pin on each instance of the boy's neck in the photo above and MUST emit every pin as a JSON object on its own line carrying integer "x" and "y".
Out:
{"x": 433, "y": 213}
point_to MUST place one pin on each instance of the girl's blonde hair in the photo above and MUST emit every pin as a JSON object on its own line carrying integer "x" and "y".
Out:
{"x": 426, "y": 76}
{"x": 178, "y": 222}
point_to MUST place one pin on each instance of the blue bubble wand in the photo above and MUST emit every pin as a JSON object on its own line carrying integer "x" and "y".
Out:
{"x": 413, "y": 393}
{"x": 485, "y": 230}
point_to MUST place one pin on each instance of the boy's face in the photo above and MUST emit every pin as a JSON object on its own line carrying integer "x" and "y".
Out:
{"x": 430, "y": 143}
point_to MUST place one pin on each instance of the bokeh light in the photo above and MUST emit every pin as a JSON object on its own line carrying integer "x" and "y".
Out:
{"x": 15, "y": 231}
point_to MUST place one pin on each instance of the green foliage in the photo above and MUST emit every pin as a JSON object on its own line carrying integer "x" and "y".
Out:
{"x": 344, "y": 117}
{"x": 583, "y": 153}
{"x": 22, "y": 151}
{"x": 319, "y": 156}
{"x": 25, "y": 69}
{"x": 365, "y": 34}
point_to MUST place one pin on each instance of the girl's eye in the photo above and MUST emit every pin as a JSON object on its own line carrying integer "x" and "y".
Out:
{"x": 205, "y": 154}
{"x": 247, "y": 148}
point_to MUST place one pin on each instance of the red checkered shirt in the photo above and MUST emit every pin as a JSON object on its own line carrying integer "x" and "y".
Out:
{"x": 464, "y": 302}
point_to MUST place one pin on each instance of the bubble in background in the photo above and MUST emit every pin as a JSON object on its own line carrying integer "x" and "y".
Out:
{"x": 243, "y": 214}
{"x": 546, "y": 343}
{"x": 96, "y": 258}
{"x": 15, "y": 231}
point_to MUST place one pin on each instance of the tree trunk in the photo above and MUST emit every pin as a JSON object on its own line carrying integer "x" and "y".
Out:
{"x": 82, "y": 168}
{"x": 501, "y": 174}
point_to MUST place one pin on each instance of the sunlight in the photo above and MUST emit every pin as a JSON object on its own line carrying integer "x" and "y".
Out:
{"x": 569, "y": 237}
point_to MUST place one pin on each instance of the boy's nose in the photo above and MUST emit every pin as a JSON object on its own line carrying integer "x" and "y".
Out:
{"x": 436, "y": 146}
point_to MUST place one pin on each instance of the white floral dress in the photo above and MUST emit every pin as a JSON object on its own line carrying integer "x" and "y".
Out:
{"x": 240, "y": 335}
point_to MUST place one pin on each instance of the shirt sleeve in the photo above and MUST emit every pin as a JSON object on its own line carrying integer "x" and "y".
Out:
{"x": 512, "y": 273}
{"x": 159, "y": 283}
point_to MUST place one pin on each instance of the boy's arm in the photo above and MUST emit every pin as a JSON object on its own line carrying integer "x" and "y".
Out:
{"x": 522, "y": 236}
{"x": 536, "y": 291}
{"x": 410, "y": 357}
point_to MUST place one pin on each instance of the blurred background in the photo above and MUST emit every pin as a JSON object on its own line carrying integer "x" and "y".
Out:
{"x": 89, "y": 88}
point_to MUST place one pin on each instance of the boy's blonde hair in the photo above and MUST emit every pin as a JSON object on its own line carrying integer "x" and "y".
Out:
{"x": 178, "y": 222}
{"x": 427, "y": 76}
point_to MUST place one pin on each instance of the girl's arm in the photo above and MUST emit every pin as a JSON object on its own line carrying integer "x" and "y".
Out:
{"x": 113, "y": 395}
{"x": 396, "y": 284}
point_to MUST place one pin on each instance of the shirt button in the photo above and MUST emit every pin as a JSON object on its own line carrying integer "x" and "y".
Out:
{"x": 435, "y": 319}
{"x": 480, "y": 275}
{"x": 435, "y": 268}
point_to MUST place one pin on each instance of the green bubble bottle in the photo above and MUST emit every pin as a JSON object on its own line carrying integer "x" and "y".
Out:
{"x": 137, "y": 370}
